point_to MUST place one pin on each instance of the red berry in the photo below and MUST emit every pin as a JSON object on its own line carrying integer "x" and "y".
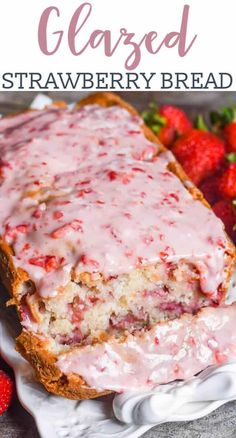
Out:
{"x": 167, "y": 136}
{"x": 227, "y": 183}
{"x": 6, "y": 391}
{"x": 200, "y": 154}
{"x": 229, "y": 133}
{"x": 210, "y": 189}
{"x": 177, "y": 124}
{"x": 225, "y": 211}
{"x": 176, "y": 118}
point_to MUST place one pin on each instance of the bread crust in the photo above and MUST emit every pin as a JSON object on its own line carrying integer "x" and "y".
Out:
{"x": 31, "y": 346}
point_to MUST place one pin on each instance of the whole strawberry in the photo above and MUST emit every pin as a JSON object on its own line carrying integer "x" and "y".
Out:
{"x": 168, "y": 122}
{"x": 200, "y": 154}
{"x": 229, "y": 133}
{"x": 224, "y": 209}
{"x": 210, "y": 189}
{"x": 6, "y": 391}
{"x": 227, "y": 182}
{"x": 224, "y": 123}
{"x": 167, "y": 136}
{"x": 176, "y": 121}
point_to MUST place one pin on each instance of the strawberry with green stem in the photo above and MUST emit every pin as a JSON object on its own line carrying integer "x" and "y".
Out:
{"x": 227, "y": 182}
{"x": 200, "y": 152}
{"x": 168, "y": 122}
{"x": 224, "y": 123}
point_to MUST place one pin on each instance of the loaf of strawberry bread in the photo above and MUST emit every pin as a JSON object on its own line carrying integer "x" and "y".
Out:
{"x": 109, "y": 252}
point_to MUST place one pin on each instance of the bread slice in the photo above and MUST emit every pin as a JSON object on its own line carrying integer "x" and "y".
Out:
{"x": 103, "y": 237}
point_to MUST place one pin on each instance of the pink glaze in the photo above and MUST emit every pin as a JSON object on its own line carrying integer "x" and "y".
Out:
{"x": 172, "y": 350}
{"x": 81, "y": 188}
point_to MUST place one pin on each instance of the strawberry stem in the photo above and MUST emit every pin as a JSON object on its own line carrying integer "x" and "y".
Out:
{"x": 231, "y": 157}
{"x": 223, "y": 117}
{"x": 200, "y": 123}
{"x": 153, "y": 119}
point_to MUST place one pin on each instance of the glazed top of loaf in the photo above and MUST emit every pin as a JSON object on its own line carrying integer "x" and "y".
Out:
{"x": 84, "y": 189}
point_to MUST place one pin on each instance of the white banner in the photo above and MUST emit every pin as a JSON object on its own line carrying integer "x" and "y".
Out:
{"x": 117, "y": 45}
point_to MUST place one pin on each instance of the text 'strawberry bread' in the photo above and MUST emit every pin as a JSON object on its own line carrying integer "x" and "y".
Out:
{"x": 106, "y": 244}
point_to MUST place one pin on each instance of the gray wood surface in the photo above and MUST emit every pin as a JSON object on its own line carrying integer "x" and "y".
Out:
{"x": 17, "y": 423}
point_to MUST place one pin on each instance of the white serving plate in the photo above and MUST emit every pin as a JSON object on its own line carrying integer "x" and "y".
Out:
{"x": 128, "y": 415}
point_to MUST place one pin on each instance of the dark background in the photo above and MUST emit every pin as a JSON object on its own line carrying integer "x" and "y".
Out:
{"x": 193, "y": 102}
